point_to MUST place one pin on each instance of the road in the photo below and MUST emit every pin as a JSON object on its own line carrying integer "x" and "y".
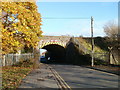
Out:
{"x": 81, "y": 77}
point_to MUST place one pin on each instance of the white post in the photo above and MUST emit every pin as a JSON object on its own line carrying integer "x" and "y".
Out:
{"x": 3, "y": 60}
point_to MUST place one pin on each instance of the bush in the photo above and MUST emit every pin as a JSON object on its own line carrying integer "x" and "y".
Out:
{"x": 24, "y": 63}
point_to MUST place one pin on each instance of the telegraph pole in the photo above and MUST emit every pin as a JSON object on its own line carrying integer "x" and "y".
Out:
{"x": 92, "y": 42}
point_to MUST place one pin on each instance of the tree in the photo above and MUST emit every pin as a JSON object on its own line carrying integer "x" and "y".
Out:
{"x": 111, "y": 29}
{"x": 20, "y": 26}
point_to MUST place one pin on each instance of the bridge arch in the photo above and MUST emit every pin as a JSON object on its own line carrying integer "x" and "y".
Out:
{"x": 56, "y": 52}
{"x": 45, "y": 43}
{"x": 55, "y": 46}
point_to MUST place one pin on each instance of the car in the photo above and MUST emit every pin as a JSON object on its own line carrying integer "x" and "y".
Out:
{"x": 43, "y": 59}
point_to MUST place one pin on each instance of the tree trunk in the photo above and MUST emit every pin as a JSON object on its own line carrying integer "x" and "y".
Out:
{"x": 36, "y": 58}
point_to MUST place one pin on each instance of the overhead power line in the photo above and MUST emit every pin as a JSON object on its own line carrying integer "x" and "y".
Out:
{"x": 65, "y": 17}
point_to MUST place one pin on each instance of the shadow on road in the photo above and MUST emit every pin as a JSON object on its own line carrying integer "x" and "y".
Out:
{"x": 81, "y": 76}
{"x": 113, "y": 69}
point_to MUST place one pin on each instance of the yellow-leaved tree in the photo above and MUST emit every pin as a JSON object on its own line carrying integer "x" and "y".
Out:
{"x": 20, "y": 26}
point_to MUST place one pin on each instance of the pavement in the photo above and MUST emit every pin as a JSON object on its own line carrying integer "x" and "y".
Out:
{"x": 40, "y": 78}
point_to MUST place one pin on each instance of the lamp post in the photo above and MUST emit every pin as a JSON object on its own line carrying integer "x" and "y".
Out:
{"x": 92, "y": 42}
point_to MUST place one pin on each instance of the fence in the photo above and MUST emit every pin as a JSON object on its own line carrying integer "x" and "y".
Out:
{"x": 102, "y": 57}
{"x": 10, "y": 59}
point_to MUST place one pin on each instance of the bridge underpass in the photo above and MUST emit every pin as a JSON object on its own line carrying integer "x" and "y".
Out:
{"x": 55, "y": 52}
{"x": 63, "y": 49}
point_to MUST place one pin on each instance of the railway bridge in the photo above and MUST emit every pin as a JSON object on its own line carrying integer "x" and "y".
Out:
{"x": 55, "y": 46}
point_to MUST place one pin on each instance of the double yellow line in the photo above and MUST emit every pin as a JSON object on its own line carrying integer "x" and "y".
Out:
{"x": 61, "y": 83}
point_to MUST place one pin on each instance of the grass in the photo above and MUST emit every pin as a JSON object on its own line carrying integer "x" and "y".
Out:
{"x": 13, "y": 75}
{"x": 100, "y": 55}
{"x": 88, "y": 46}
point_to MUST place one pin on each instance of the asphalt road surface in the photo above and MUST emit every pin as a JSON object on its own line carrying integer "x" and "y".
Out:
{"x": 81, "y": 77}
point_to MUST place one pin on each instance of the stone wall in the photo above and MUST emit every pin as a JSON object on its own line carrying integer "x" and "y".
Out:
{"x": 75, "y": 56}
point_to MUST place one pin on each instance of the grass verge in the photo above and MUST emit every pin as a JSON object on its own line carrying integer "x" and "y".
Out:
{"x": 114, "y": 69}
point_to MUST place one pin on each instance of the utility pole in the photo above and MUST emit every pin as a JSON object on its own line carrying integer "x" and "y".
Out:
{"x": 92, "y": 42}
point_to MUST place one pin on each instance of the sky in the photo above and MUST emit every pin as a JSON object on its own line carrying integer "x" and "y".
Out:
{"x": 78, "y": 0}
{"x": 74, "y": 18}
